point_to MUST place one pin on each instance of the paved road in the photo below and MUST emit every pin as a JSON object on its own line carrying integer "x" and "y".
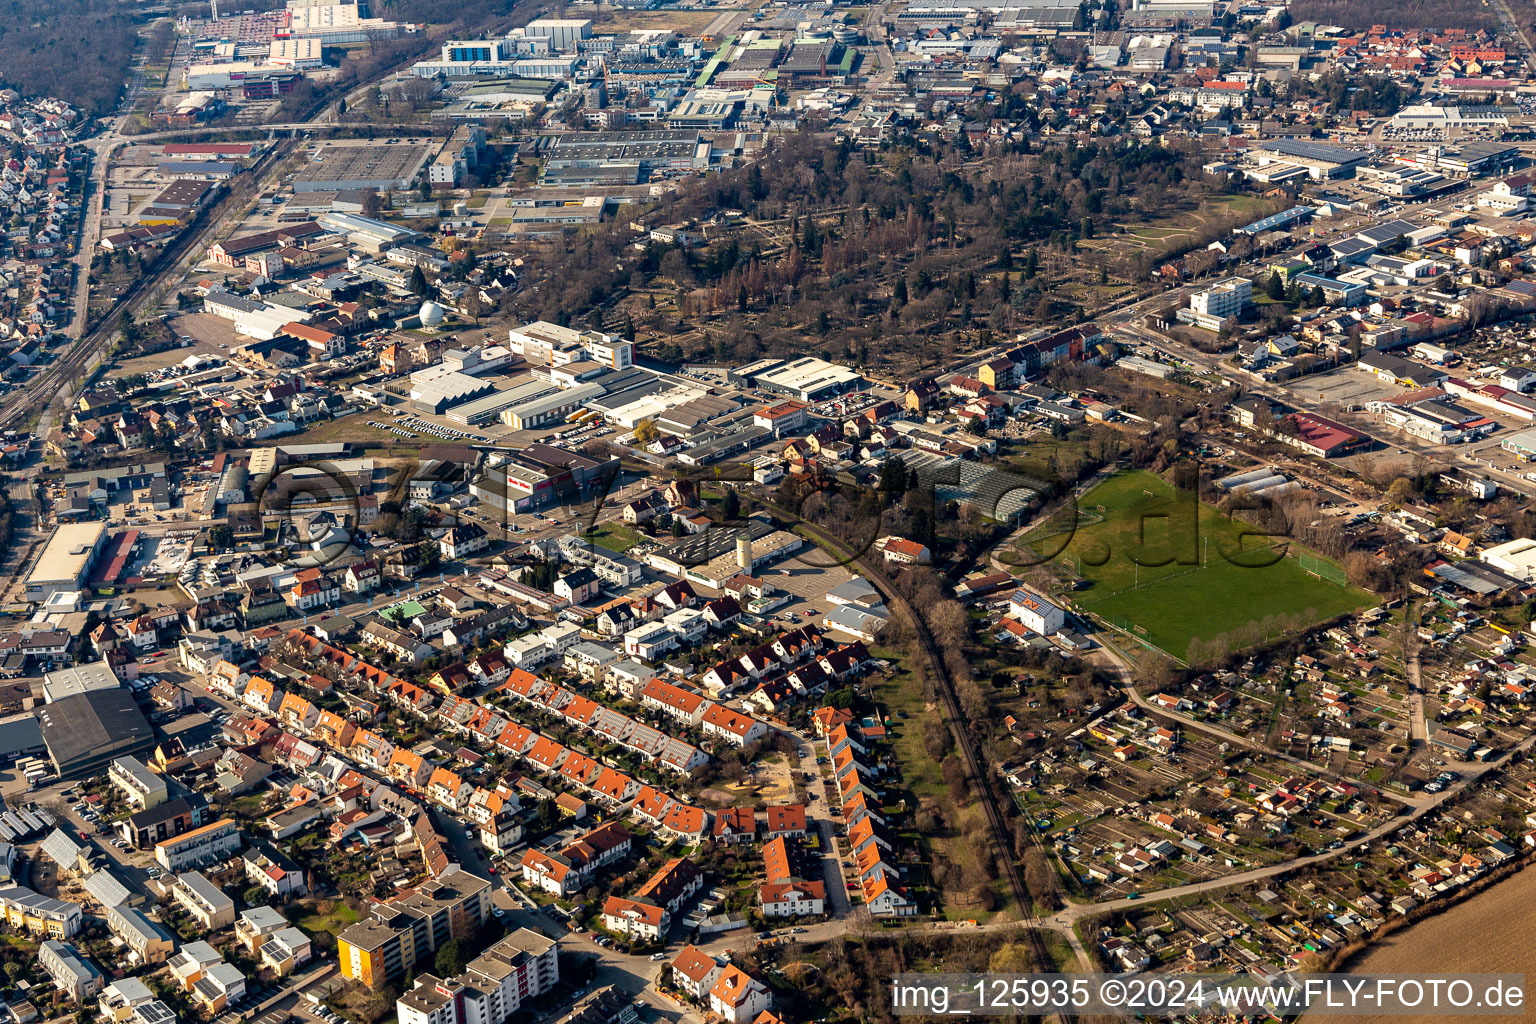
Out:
{"x": 1512, "y": 23}
{"x": 819, "y": 818}
{"x": 1418, "y": 726}
{"x": 880, "y": 42}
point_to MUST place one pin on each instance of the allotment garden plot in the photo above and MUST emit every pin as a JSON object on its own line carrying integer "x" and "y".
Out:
{"x": 1138, "y": 804}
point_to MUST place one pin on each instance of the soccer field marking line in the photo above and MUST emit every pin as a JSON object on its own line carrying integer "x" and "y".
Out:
{"x": 1156, "y": 580}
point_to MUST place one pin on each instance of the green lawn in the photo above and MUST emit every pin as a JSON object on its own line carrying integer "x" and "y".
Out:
{"x": 248, "y": 805}
{"x": 334, "y": 922}
{"x": 616, "y": 536}
{"x": 922, "y": 781}
{"x": 1199, "y": 577}
{"x": 1244, "y": 204}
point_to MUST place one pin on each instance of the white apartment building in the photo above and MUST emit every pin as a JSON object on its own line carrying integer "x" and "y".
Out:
{"x": 492, "y": 989}
{"x": 1224, "y": 299}
{"x": 206, "y": 845}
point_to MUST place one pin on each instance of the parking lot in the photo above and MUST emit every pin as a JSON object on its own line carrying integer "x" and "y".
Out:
{"x": 1490, "y": 453}
{"x": 214, "y": 332}
{"x": 806, "y": 577}
{"x": 1347, "y": 387}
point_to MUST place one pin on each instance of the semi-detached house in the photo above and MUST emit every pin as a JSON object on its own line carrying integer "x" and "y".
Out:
{"x": 732, "y": 726}
{"x": 569, "y": 869}
{"x": 737, "y": 997}
{"x": 694, "y": 972}
{"x": 648, "y": 913}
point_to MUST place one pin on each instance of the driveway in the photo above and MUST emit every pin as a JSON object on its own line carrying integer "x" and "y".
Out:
{"x": 819, "y": 816}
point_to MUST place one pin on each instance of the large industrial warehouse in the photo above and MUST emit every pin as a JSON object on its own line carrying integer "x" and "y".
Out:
{"x": 88, "y": 731}
{"x": 66, "y": 560}
{"x": 343, "y": 165}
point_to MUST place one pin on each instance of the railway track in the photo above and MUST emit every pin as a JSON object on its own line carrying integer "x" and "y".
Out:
{"x": 980, "y": 781}
{"x": 57, "y": 377}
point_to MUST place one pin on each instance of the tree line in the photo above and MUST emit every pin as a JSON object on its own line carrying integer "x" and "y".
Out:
{"x": 1406, "y": 14}
{"x": 75, "y": 50}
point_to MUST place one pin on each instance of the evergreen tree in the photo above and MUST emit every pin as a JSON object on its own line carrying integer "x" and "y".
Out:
{"x": 1276, "y": 286}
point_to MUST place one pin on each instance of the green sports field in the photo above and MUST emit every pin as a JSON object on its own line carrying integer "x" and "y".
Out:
{"x": 1199, "y": 578}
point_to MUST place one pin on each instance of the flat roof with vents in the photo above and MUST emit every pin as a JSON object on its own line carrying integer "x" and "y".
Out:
{"x": 66, "y": 558}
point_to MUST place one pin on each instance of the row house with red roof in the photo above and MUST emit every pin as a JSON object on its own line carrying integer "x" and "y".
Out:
{"x": 733, "y": 727}
{"x": 871, "y": 842}
{"x": 676, "y": 702}
{"x": 668, "y": 752}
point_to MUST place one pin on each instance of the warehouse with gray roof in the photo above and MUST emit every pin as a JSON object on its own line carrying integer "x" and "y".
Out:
{"x": 87, "y": 732}
{"x": 1320, "y": 159}
{"x": 338, "y": 166}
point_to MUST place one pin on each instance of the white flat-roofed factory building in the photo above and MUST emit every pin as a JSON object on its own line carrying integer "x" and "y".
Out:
{"x": 549, "y": 408}
{"x": 1516, "y": 557}
{"x": 334, "y": 24}
{"x": 66, "y": 560}
{"x": 563, "y": 33}
{"x": 299, "y": 54}
{"x": 1522, "y": 444}
{"x": 808, "y": 378}
{"x": 492, "y": 57}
